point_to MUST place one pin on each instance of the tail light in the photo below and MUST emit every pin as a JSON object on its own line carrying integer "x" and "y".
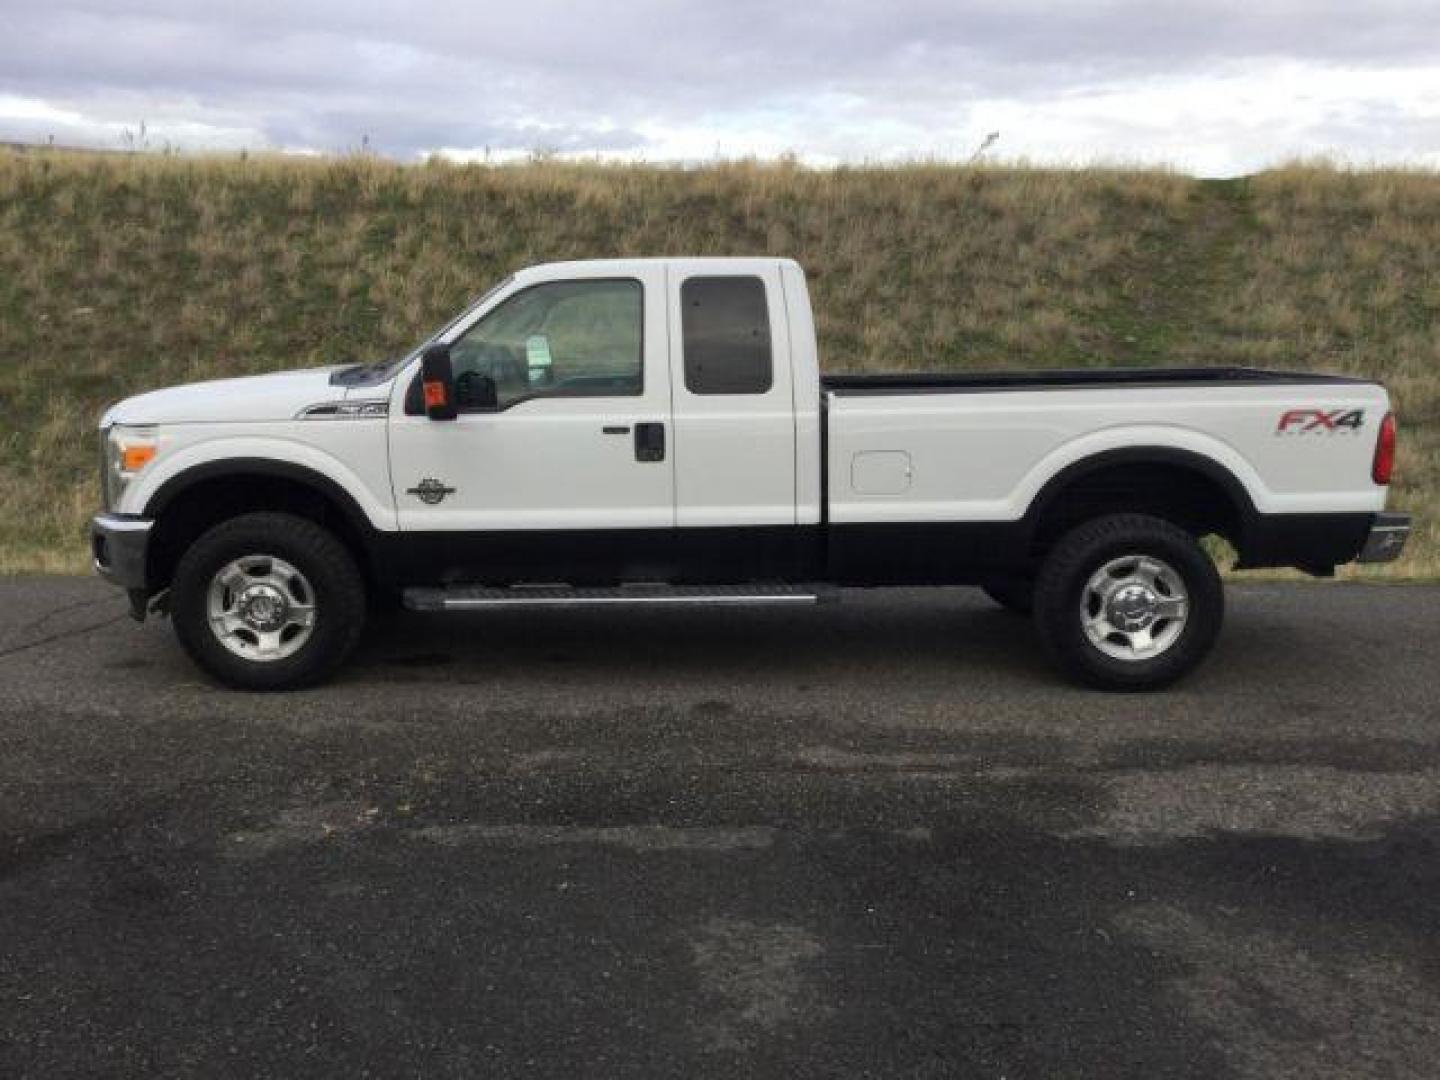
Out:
{"x": 1384, "y": 451}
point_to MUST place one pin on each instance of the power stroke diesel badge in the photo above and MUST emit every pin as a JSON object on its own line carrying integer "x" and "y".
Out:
{"x": 430, "y": 491}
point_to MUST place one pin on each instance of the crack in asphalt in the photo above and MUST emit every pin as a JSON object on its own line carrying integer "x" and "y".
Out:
{"x": 63, "y": 635}
{"x": 36, "y": 623}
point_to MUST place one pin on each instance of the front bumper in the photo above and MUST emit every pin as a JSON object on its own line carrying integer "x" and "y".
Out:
{"x": 1386, "y": 539}
{"x": 120, "y": 547}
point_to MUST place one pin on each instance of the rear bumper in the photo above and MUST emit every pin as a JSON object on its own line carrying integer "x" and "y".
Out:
{"x": 1317, "y": 543}
{"x": 119, "y": 547}
{"x": 1386, "y": 539}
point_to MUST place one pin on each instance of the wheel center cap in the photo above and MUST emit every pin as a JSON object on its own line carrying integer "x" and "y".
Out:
{"x": 263, "y": 607}
{"x": 1133, "y": 607}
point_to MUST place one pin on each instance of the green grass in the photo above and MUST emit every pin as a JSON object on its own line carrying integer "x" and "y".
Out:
{"x": 122, "y": 273}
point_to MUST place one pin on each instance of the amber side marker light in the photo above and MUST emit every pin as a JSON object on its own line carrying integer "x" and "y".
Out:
{"x": 1384, "y": 451}
{"x": 135, "y": 458}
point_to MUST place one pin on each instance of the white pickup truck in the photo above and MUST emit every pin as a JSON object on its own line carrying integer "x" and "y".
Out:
{"x": 657, "y": 431}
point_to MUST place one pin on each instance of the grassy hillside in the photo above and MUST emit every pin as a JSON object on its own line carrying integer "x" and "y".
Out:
{"x": 121, "y": 273}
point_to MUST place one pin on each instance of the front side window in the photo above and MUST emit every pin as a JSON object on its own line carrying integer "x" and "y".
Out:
{"x": 727, "y": 335}
{"x": 560, "y": 339}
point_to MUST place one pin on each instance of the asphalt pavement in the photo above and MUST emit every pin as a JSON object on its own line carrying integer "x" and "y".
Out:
{"x": 879, "y": 838}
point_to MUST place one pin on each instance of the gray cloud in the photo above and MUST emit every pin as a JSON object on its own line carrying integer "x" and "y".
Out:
{"x": 645, "y": 77}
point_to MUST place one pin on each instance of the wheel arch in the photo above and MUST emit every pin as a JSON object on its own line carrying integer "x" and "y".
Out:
{"x": 1182, "y": 486}
{"x": 203, "y": 495}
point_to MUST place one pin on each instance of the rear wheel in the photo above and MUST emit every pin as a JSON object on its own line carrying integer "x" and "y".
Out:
{"x": 268, "y": 601}
{"x": 1128, "y": 602}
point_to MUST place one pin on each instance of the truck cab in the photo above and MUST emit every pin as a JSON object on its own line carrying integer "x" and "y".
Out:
{"x": 658, "y": 431}
{"x": 640, "y": 421}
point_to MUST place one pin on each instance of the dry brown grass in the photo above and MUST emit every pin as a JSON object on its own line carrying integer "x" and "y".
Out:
{"x": 120, "y": 273}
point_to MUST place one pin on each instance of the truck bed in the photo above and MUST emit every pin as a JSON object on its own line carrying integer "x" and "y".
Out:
{"x": 961, "y": 382}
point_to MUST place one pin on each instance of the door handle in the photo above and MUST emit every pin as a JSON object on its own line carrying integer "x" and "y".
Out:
{"x": 650, "y": 442}
{"x": 616, "y": 429}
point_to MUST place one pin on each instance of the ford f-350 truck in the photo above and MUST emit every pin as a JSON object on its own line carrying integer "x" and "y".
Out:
{"x": 657, "y": 431}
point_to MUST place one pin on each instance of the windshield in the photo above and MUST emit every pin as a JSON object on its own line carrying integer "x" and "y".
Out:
{"x": 464, "y": 312}
{"x": 368, "y": 374}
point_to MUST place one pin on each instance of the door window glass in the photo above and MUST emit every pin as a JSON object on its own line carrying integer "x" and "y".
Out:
{"x": 560, "y": 339}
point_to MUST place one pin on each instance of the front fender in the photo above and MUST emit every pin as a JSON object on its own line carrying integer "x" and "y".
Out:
{"x": 207, "y": 458}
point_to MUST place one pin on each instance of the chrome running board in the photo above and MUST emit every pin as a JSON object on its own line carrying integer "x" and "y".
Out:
{"x": 479, "y": 597}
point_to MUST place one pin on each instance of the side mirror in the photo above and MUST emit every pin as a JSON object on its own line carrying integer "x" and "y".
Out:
{"x": 438, "y": 382}
{"x": 476, "y": 391}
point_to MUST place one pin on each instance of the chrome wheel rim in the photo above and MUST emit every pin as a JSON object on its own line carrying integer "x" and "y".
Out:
{"x": 261, "y": 608}
{"x": 1134, "y": 608}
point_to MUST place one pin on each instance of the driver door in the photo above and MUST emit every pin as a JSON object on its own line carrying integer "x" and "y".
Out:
{"x": 569, "y": 476}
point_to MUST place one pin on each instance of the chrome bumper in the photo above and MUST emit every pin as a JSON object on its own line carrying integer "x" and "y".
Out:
{"x": 118, "y": 546}
{"x": 1386, "y": 539}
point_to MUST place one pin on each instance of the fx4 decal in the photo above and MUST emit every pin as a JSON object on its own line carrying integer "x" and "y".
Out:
{"x": 1300, "y": 421}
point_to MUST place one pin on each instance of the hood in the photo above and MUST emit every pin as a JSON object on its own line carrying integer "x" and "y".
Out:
{"x": 280, "y": 396}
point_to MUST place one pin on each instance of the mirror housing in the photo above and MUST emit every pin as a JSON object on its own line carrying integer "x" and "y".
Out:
{"x": 437, "y": 382}
{"x": 476, "y": 391}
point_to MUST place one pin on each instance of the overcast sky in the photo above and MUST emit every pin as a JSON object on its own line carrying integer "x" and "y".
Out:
{"x": 1211, "y": 86}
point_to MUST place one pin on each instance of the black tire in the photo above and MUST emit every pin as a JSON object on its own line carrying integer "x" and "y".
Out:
{"x": 1015, "y": 595}
{"x": 339, "y": 599}
{"x": 1085, "y": 551}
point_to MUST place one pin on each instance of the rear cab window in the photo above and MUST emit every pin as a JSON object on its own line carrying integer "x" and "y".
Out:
{"x": 725, "y": 322}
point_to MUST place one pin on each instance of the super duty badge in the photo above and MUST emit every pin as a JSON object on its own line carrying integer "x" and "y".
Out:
{"x": 430, "y": 491}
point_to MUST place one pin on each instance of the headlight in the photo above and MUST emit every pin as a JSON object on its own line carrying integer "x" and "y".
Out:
{"x": 127, "y": 451}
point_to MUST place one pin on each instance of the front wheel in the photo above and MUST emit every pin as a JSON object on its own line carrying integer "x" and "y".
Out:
{"x": 1128, "y": 602}
{"x": 268, "y": 601}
